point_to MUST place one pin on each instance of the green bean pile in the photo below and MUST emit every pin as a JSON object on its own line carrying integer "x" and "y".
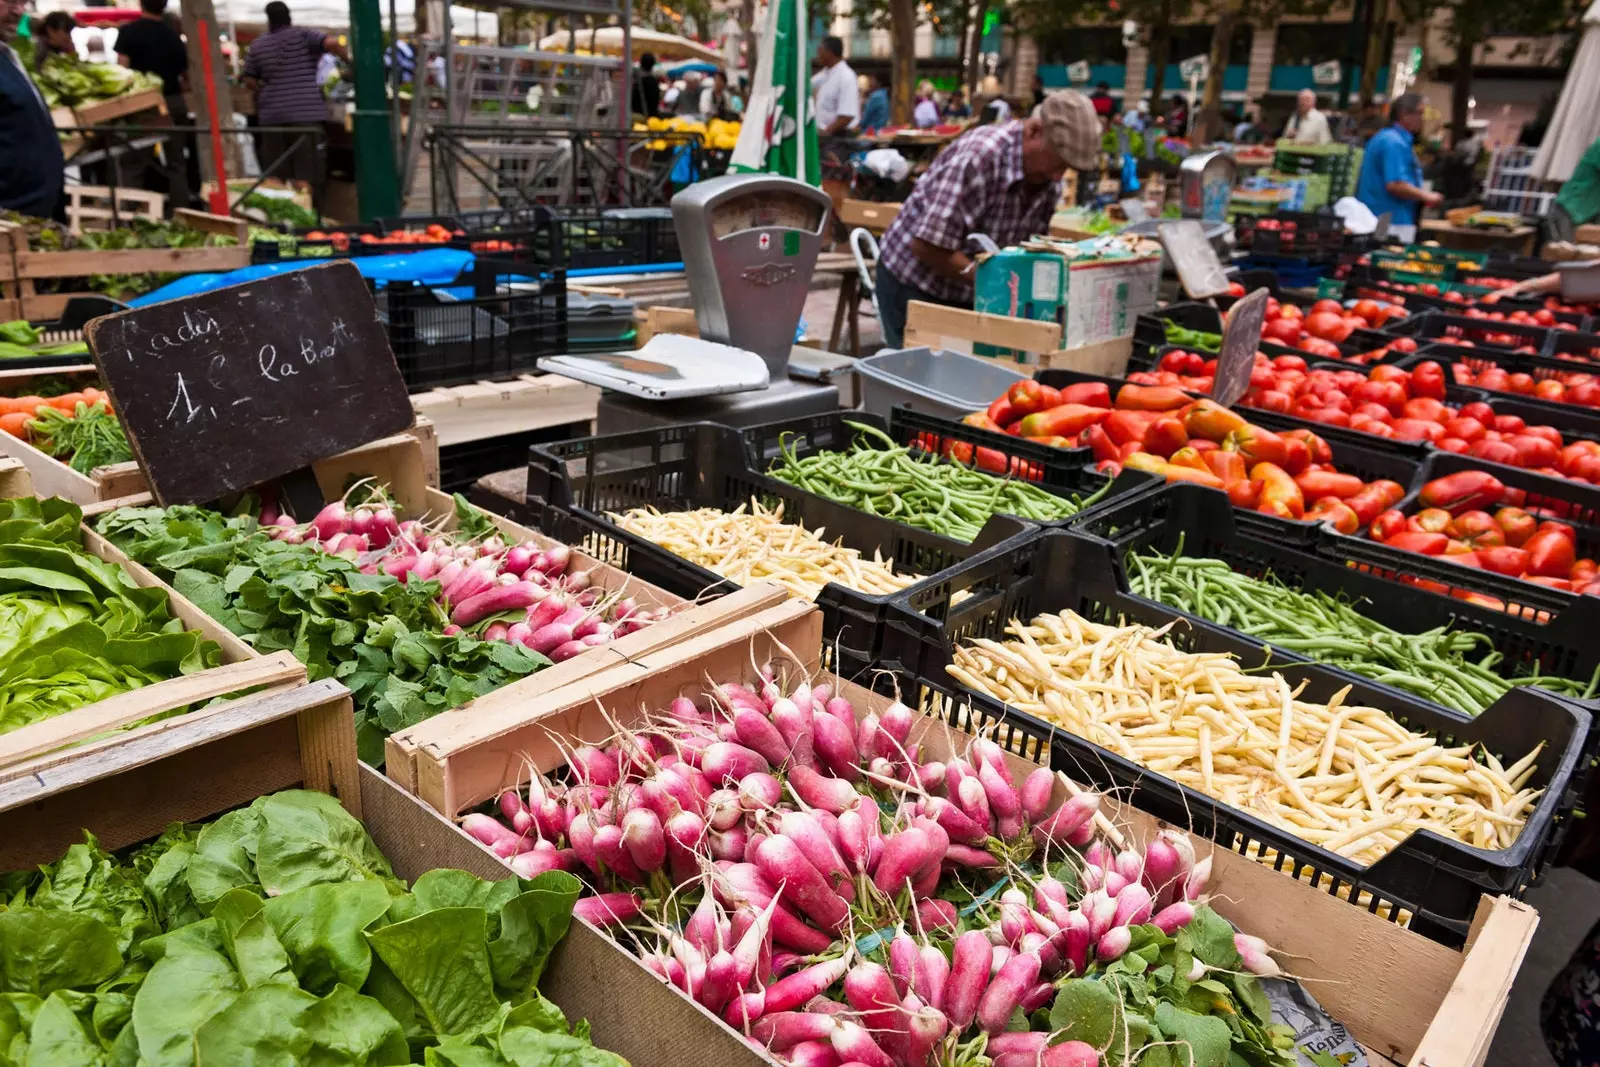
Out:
{"x": 1440, "y": 665}
{"x": 918, "y": 489}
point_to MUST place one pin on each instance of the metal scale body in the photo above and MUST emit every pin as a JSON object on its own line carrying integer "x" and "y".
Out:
{"x": 750, "y": 244}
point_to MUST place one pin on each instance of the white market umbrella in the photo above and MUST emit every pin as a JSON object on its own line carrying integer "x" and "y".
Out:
{"x": 607, "y": 40}
{"x": 1575, "y": 125}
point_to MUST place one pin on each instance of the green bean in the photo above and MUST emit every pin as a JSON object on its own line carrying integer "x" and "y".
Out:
{"x": 1456, "y": 668}
{"x": 883, "y": 478}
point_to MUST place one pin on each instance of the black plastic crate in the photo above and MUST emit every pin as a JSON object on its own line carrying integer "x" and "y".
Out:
{"x": 613, "y": 237}
{"x": 702, "y": 464}
{"x": 1541, "y": 630}
{"x": 1149, "y": 333}
{"x": 1314, "y": 235}
{"x": 513, "y": 315}
{"x": 1539, "y": 368}
{"x": 1580, "y": 348}
{"x": 66, "y": 329}
{"x": 1064, "y": 472}
{"x": 1437, "y": 325}
{"x": 1438, "y": 880}
{"x": 337, "y": 242}
{"x": 1576, "y": 503}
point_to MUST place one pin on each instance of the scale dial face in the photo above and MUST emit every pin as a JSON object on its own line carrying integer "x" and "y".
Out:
{"x": 756, "y": 211}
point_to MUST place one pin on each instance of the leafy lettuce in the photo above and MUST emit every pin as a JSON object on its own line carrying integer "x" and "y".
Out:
{"x": 75, "y": 629}
{"x": 279, "y": 934}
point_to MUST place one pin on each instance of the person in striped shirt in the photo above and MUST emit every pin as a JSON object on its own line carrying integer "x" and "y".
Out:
{"x": 281, "y": 69}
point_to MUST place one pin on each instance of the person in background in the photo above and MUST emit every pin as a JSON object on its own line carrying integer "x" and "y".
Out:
{"x": 1177, "y": 117}
{"x": 838, "y": 103}
{"x": 281, "y": 69}
{"x": 691, "y": 99}
{"x": 646, "y": 87}
{"x": 925, "y": 115}
{"x": 32, "y": 171}
{"x": 401, "y": 58}
{"x": 1578, "y": 202}
{"x": 1003, "y": 181}
{"x": 729, "y": 105}
{"x": 1391, "y": 176}
{"x": 1308, "y": 125}
{"x": 956, "y": 109}
{"x": 875, "y": 110}
{"x": 150, "y": 45}
{"x": 1101, "y": 99}
{"x": 1038, "y": 90}
{"x": 53, "y": 37}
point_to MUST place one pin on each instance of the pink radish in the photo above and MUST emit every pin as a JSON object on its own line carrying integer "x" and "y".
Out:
{"x": 814, "y": 1054}
{"x": 722, "y": 809}
{"x": 498, "y": 598}
{"x": 896, "y": 724}
{"x": 1173, "y": 917}
{"x": 608, "y": 909}
{"x": 496, "y": 631}
{"x": 1196, "y": 883}
{"x": 725, "y": 762}
{"x": 756, "y": 732}
{"x": 786, "y": 1029}
{"x": 1017, "y": 975}
{"x": 1254, "y": 951}
{"x": 829, "y": 794}
{"x": 870, "y": 990}
{"x": 806, "y": 831}
{"x": 792, "y": 991}
{"x": 853, "y": 844}
{"x": 955, "y": 822}
{"x": 1129, "y": 864}
{"x": 718, "y": 985}
{"x": 1059, "y": 827}
{"x": 973, "y": 801}
{"x": 857, "y": 1046}
{"x": 555, "y": 560}
{"x": 730, "y": 844}
{"x": 835, "y": 745}
{"x": 794, "y": 726}
{"x": 783, "y": 864}
{"x": 936, "y": 914}
{"x": 967, "y": 856}
{"x": 1035, "y": 794}
{"x": 1003, "y": 800}
{"x": 515, "y": 812}
{"x": 1077, "y": 939}
{"x": 759, "y": 791}
{"x": 904, "y": 959}
{"x": 644, "y": 839}
{"x": 925, "y": 1028}
{"x": 331, "y": 521}
{"x": 1113, "y": 883}
{"x": 519, "y": 558}
{"x": 542, "y": 857}
{"x": 1134, "y": 906}
{"x": 503, "y": 841}
{"x": 1013, "y": 915}
{"x": 933, "y": 974}
{"x": 608, "y": 846}
{"x": 1022, "y": 1048}
{"x": 905, "y": 856}
{"x": 867, "y": 739}
{"x": 1113, "y": 944}
{"x": 594, "y": 766}
{"x": 969, "y": 973}
{"x": 1100, "y": 909}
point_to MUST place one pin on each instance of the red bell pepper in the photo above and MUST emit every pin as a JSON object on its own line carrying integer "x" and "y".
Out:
{"x": 1229, "y": 466}
{"x": 1511, "y": 562}
{"x": 1002, "y": 414}
{"x": 1100, "y": 444}
{"x": 1551, "y": 554}
{"x": 1386, "y": 525}
{"x": 1429, "y": 544}
{"x": 1091, "y": 394}
{"x": 1430, "y": 520}
{"x": 1064, "y": 420}
{"x": 1258, "y": 446}
{"x": 1336, "y": 513}
{"x": 1165, "y": 436}
{"x": 1125, "y": 426}
{"x": 1320, "y": 483}
{"x": 1463, "y": 491}
{"x": 1477, "y": 529}
{"x": 1151, "y": 398}
{"x": 1279, "y": 494}
{"x": 1516, "y": 524}
{"x": 1244, "y": 493}
{"x": 1213, "y": 422}
{"x": 1320, "y": 452}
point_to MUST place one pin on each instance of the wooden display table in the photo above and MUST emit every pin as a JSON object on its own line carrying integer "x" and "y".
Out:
{"x": 1518, "y": 240}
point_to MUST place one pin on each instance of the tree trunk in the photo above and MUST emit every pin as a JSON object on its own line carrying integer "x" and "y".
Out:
{"x": 747, "y": 19}
{"x": 1160, "y": 51}
{"x": 1377, "y": 34}
{"x": 1461, "y": 87}
{"x": 903, "y": 67}
{"x": 1209, "y": 123}
{"x": 975, "y": 48}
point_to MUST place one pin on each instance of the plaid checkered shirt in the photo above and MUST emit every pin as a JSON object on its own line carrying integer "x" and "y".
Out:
{"x": 975, "y": 186}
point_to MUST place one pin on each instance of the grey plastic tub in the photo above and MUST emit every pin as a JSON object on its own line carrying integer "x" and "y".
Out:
{"x": 948, "y": 384}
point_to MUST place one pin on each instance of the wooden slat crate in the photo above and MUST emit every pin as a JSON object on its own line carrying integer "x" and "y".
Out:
{"x": 100, "y": 207}
{"x": 473, "y": 412}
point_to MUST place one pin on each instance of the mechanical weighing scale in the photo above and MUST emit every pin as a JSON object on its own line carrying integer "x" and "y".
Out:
{"x": 749, "y": 245}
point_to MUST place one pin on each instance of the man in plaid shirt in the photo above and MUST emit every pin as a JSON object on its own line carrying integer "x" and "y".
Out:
{"x": 1003, "y": 181}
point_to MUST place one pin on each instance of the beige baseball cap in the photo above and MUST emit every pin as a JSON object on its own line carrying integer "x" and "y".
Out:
{"x": 1072, "y": 128}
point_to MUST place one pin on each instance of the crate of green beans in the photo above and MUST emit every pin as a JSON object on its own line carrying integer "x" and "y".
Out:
{"x": 931, "y": 474}
{"x": 1383, "y": 621}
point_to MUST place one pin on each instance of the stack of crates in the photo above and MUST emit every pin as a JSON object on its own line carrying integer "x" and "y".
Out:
{"x": 1329, "y": 171}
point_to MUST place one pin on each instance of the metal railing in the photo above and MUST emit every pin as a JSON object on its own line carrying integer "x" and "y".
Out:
{"x": 119, "y": 156}
{"x": 477, "y": 167}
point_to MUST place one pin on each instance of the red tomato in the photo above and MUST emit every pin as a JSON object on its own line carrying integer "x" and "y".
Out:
{"x": 1464, "y": 427}
{"x": 1327, "y": 326}
{"x": 1327, "y": 307}
{"x": 1284, "y": 331}
{"x": 1550, "y": 389}
{"x": 1425, "y": 408}
{"x": 1390, "y": 394}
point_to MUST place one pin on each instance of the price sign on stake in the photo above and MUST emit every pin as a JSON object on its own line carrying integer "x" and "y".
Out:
{"x": 1241, "y": 336}
{"x": 1196, "y": 261}
{"x": 229, "y": 389}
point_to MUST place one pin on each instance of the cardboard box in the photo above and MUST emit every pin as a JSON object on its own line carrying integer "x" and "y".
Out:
{"x": 1093, "y": 297}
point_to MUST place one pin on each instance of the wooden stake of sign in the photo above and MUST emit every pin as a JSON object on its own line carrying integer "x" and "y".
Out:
{"x": 1196, "y": 261}
{"x": 230, "y": 389}
{"x": 1241, "y": 336}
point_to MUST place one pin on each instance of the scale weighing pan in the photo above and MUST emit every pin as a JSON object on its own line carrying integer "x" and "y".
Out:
{"x": 669, "y": 367}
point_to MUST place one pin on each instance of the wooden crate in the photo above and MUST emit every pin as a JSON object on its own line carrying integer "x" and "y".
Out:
{"x": 473, "y": 412}
{"x": 100, "y": 207}
{"x": 868, "y": 215}
{"x": 147, "y": 105}
{"x": 957, "y": 329}
{"x": 15, "y": 480}
{"x": 181, "y": 770}
{"x": 1405, "y": 998}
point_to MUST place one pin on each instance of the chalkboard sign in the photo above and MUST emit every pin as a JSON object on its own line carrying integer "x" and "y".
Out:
{"x": 1192, "y": 256}
{"x": 1241, "y": 336}
{"x": 232, "y": 388}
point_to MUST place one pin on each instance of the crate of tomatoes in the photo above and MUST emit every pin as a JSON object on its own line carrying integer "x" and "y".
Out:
{"x": 1293, "y": 476}
{"x": 1563, "y": 381}
{"x": 1473, "y": 328}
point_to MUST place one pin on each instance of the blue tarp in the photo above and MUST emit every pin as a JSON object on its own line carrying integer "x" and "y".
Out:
{"x": 437, "y": 267}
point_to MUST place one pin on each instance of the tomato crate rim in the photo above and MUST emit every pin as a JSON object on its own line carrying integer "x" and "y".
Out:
{"x": 1415, "y": 877}
{"x": 1431, "y": 325}
{"x": 703, "y": 464}
{"x": 1537, "y": 367}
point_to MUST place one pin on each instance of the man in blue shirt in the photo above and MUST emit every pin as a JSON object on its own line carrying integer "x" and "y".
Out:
{"x": 30, "y": 153}
{"x": 1391, "y": 174}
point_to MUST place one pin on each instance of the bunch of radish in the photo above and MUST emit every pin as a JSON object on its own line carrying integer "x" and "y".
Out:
{"x": 801, "y": 826}
{"x": 519, "y": 593}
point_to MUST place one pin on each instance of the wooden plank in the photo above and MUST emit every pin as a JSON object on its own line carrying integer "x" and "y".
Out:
{"x": 125, "y": 709}
{"x": 125, "y": 261}
{"x": 34, "y": 308}
{"x": 1462, "y": 1030}
{"x": 51, "y": 477}
{"x": 481, "y": 720}
{"x": 206, "y": 222}
{"x": 427, "y": 436}
{"x": 15, "y": 480}
{"x": 494, "y": 409}
{"x": 452, "y": 779}
{"x": 131, "y": 791}
{"x": 868, "y": 214}
{"x": 120, "y": 107}
{"x": 662, "y": 319}
{"x": 958, "y": 324}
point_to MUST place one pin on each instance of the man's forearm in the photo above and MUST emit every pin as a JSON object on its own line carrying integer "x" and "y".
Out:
{"x": 945, "y": 262}
{"x": 837, "y": 126}
{"x": 1407, "y": 191}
